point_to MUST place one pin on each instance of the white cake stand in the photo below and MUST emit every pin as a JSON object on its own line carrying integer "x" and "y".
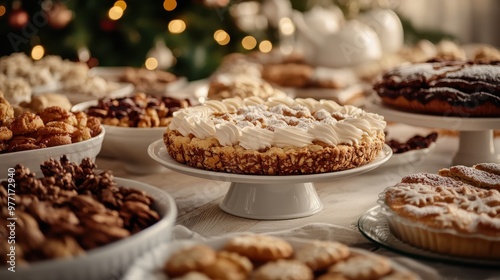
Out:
{"x": 266, "y": 197}
{"x": 475, "y": 137}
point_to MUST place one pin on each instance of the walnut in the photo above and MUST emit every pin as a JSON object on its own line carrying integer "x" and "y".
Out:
{"x": 72, "y": 209}
{"x": 61, "y": 247}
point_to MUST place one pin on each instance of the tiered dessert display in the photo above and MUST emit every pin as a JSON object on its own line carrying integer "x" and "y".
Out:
{"x": 271, "y": 150}
{"x": 450, "y": 94}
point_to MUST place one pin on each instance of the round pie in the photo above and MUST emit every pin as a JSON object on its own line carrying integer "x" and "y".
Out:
{"x": 279, "y": 136}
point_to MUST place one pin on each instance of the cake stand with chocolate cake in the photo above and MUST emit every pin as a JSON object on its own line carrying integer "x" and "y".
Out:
{"x": 458, "y": 95}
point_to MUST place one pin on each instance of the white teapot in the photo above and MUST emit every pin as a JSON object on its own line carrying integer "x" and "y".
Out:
{"x": 353, "y": 44}
{"x": 388, "y": 26}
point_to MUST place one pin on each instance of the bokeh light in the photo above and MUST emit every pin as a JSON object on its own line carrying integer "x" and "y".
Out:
{"x": 169, "y": 5}
{"x": 151, "y": 63}
{"x": 37, "y": 52}
{"x": 249, "y": 42}
{"x": 115, "y": 13}
{"x": 265, "y": 46}
{"x": 176, "y": 26}
{"x": 221, "y": 37}
{"x": 121, "y": 4}
{"x": 286, "y": 26}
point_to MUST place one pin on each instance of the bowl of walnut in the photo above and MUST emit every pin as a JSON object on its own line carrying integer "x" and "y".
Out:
{"x": 78, "y": 223}
{"x": 31, "y": 138}
{"x": 131, "y": 124}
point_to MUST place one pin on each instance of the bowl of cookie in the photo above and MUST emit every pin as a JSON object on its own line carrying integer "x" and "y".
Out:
{"x": 31, "y": 138}
{"x": 80, "y": 223}
{"x": 131, "y": 124}
{"x": 257, "y": 256}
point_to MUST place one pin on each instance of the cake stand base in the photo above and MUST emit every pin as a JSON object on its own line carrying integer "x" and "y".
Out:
{"x": 476, "y": 147}
{"x": 271, "y": 201}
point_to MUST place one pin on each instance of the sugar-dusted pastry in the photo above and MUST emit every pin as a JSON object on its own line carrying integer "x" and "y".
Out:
{"x": 446, "y": 88}
{"x": 455, "y": 212}
{"x": 280, "y": 136}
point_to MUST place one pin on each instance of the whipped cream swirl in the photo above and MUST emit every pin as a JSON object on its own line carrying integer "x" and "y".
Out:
{"x": 256, "y": 124}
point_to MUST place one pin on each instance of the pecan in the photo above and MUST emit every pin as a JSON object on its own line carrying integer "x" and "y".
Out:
{"x": 98, "y": 235}
{"x": 27, "y": 231}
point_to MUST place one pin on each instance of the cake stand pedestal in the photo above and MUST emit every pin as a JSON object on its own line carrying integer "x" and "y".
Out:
{"x": 266, "y": 197}
{"x": 475, "y": 134}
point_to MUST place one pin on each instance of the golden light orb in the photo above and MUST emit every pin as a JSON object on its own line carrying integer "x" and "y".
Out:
{"x": 151, "y": 63}
{"x": 121, "y": 4}
{"x": 176, "y": 26}
{"x": 37, "y": 52}
{"x": 249, "y": 42}
{"x": 115, "y": 13}
{"x": 221, "y": 37}
{"x": 169, "y": 5}
{"x": 265, "y": 46}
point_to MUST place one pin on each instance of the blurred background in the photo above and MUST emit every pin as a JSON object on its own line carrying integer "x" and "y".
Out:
{"x": 190, "y": 37}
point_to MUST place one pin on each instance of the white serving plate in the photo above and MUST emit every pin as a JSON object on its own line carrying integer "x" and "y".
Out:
{"x": 33, "y": 158}
{"x": 412, "y": 156}
{"x": 149, "y": 266}
{"x": 122, "y": 90}
{"x": 373, "y": 224}
{"x": 114, "y": 74}
{"x": 109, "y": 261}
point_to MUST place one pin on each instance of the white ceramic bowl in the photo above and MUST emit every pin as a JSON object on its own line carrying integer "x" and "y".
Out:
{"x": 33, "y": 158}
{"x": 109, "y": 261}
{"x": 128, "y": 144}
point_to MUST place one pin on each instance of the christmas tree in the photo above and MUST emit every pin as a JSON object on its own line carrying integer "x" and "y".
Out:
{"x": 188, "y": 37}
{"x": 124, "y": 33}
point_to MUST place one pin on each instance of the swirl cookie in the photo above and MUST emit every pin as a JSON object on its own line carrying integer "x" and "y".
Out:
{"x": 362, "y": 267}
{"x": 229, "y": 266}
{"x": 194, "y": 258}
{"x": 260, "y": 247}
{"x": 322, "y": 254}
{"x": 284, "y": 270}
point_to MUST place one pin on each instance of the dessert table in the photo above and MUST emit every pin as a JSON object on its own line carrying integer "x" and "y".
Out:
{"x": 345, "y": 200}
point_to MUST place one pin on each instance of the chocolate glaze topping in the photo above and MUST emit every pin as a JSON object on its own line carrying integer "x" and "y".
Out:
{"x": 459, "y": 83}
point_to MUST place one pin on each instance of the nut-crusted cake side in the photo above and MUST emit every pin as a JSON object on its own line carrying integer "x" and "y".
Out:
{"x": 452, "y": 88}
{"x": 280, "y": 136}
{"x": 455, "y": 212}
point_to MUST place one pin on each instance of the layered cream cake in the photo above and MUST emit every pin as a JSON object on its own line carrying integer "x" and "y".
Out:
{"x": 279, "y": 136}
